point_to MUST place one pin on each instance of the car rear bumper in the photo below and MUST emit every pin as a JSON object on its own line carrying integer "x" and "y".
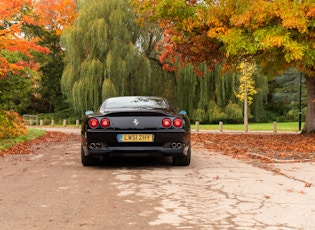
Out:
{"x": 136, "y": 151}
{"x": 166, "y": 143}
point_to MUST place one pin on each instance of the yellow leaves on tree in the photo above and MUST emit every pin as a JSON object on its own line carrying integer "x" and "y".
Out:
{"x": 247, "y": 83}
{"x": 246, "y": 88}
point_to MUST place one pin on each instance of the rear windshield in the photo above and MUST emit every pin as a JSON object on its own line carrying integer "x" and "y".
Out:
{"x": 136, "y": 102}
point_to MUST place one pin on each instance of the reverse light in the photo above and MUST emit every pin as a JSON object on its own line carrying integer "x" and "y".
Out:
{"x": 93, "y": 123}
{"x": 105, "y": 123}
{"x": 177, "y": 122}
{"x": 166, "y": 122}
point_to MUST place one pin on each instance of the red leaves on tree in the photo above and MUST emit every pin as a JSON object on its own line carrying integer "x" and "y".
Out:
{"x": 193, "y": 51}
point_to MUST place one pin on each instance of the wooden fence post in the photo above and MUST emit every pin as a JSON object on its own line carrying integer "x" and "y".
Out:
{"x": 274, "y": 127}
{"x": 197, "y": 126}
{"x": 221, "y": 126}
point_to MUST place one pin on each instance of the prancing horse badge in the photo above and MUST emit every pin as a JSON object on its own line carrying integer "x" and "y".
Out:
{"x": 135, "y": 122}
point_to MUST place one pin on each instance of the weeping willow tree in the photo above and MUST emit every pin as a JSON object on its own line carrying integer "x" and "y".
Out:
{"x": 260, "y": 98}
{"x": 211, "y": 98}
{"x": 103, "y": 55}
{"x": 186, "y": 88}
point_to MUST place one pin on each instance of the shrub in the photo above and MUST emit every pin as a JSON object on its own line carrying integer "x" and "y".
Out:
{"x": 58, "y": 117}
{"x": 234, "y": 113}
{"x": 215, "y": 113}
{"x": 199, "y": 115}
{"x": 11, "y": 125}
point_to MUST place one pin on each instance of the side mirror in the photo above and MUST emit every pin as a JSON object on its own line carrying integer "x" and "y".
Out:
{"x": 183, "y": 112}
{"x": 89, "y": 112}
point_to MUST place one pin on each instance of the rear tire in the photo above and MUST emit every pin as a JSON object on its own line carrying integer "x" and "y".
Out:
{"x": 88, "y": 160}
{"x": 184, "y": 160}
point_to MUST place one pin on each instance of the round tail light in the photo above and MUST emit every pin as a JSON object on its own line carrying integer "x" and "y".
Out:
{"x": 105, "y": 123}
{"x": 177, "y": 122}
{"x": 166, "y": 122}
{"x": 93, "y": 123}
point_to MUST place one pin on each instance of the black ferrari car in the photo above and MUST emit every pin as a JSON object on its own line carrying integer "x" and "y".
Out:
{"x": 136, "y": 126}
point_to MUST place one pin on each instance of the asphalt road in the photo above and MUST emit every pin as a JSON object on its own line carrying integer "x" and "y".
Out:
{"x": 50, "y": 189}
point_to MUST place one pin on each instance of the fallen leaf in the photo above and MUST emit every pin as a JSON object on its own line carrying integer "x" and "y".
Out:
{"x": 308, "y": 185}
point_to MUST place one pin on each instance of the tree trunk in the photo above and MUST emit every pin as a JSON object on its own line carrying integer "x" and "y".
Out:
{"x": 309, "y": 126}
{"x": 246, "y": 114}
{"x": 245, "y": 107}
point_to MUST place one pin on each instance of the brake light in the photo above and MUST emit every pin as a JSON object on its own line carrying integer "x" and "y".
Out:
{"x": 166, "y": 122}
{"x": 93, "y": 123}
{"x": 105, "y": 123}
{"x": 177, "y": 122}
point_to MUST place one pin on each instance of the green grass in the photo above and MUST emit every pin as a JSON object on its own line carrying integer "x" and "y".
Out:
{"x": 32, "y": 134}
{"x": 281, "y": 126}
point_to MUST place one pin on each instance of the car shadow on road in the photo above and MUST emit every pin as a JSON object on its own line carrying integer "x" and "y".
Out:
{"x": 135, "y": 162}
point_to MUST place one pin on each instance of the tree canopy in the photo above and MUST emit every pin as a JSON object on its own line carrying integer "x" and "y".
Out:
{"x": 16, "y": 15}
{"x": 235, "y": 28}
{"x": 277, "y": 34}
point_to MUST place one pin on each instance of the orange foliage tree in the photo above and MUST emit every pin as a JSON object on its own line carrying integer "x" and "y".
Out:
{"x": 56, "y": 15}
{"x": 20, "y": 40}
{"x": 14, "y": 16}
{"x": 277, "y": 34}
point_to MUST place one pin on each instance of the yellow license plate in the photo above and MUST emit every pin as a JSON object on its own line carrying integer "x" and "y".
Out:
{"x": 135, "y": 137}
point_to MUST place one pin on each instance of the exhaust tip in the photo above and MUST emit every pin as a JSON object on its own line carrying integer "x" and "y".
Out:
{"x": 177, "y": 145}
{"x": 94, "y": 145}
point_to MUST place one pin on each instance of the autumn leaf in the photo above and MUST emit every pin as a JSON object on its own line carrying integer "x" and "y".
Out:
{"x": 308, "y": 185}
